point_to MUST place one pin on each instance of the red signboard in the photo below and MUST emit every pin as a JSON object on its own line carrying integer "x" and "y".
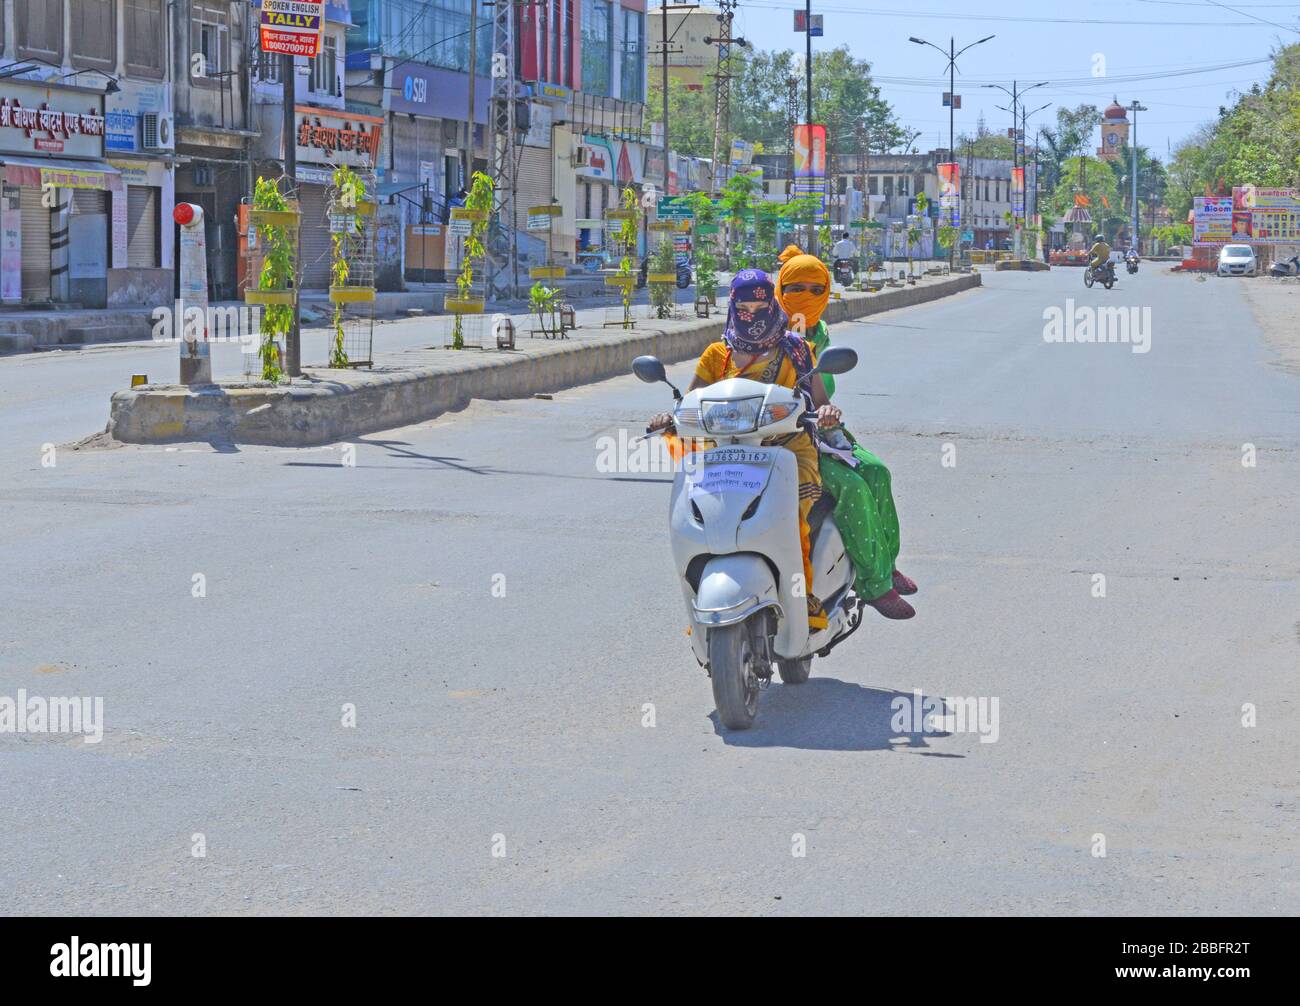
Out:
{"x": 292, "y": 27}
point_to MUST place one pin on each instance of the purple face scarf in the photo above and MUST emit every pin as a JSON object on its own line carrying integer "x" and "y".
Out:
{"x": 753, "y": 331}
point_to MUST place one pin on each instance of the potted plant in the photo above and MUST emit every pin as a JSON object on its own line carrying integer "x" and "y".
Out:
{"x": 544, "y": 301}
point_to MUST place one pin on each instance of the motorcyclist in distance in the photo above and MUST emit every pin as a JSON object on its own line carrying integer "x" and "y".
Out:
{"x": 1099, "y": 253}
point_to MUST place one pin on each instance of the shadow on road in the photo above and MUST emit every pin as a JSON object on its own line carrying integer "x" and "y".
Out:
{"x": 826, "y": 714}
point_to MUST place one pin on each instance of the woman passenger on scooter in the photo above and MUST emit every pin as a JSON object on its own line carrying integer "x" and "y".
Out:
{"x": 859, "y": 481}
{"x": 756, "y": 345}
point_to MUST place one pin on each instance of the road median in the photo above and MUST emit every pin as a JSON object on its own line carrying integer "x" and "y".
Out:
{"x": 326, "y": 406}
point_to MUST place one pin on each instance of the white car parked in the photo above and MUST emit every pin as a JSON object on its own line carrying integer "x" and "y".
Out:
{"x": 1236, "y": 260}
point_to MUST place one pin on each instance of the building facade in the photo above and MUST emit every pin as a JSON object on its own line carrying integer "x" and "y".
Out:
{"x": 112, "y": 111}
{"x": 87, "y": 140}
{"x": 690, "y": 58}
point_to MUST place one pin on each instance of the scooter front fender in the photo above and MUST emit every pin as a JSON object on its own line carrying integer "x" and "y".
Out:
{"x": 733, "y": 587}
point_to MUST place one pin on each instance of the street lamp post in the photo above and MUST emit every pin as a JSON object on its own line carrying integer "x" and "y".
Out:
{"x": 808, "y": 68}
{"x": 1016, "y": 94}
{"x": 951, "y": 55}
{"x": 1135, "y": 108}
{"x": 1024, "y": 128}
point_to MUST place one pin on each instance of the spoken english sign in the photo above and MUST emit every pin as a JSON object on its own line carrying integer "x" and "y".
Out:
{"x": 292, "y": 27}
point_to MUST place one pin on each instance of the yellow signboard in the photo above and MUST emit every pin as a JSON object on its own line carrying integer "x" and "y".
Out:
{"x": 69, "y": 178}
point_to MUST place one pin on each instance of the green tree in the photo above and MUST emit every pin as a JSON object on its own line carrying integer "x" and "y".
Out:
{"x": 843, "y": 97}
{"x": 1255, "y": 140}
{"x": 690, "y": 116}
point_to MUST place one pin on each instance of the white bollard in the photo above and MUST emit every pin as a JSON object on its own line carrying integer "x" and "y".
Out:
{"x": 196, "y": 359}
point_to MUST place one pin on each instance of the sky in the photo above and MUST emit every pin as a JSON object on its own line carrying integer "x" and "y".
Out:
{"x": 1049, "y": 40}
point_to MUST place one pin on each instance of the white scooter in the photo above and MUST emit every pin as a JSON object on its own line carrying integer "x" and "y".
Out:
{"x": 734, "y": 521}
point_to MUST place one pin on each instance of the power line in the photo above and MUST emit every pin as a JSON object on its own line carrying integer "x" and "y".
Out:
{"x": 951, "y": 16}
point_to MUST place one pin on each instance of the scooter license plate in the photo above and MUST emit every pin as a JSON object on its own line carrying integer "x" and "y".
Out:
{"x": 731, "y": 470}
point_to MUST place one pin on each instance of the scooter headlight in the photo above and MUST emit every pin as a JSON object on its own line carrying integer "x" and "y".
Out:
{"x": 739, "y": 415}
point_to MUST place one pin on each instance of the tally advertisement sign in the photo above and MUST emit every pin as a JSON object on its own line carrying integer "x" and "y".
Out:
{"x": 292, "y": 27}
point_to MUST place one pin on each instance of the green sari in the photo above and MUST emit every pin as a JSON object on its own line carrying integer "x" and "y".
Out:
{"x": 864, "y": 503}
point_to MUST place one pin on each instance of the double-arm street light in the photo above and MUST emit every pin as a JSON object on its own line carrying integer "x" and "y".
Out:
{"x": 951, "y": 56}
{"x": 1136, "y": 107}
{"x": 1016, "y": 92}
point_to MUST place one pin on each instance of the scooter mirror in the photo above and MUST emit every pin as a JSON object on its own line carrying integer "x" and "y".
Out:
{"x": 835, "y": 360}
{"x": 649, "y": 369}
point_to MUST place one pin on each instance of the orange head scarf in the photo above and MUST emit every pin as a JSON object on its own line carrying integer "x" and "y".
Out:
{"x": 800, "y": 268}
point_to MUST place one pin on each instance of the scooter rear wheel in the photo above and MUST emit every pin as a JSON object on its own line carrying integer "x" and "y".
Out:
{"x": 735, "y": 687}
{"x": 794, "y": 672}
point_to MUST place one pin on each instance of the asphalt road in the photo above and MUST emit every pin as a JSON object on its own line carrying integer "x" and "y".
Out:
{"x": 514, "y": 724}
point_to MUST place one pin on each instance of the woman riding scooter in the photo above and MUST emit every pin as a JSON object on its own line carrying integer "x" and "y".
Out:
{"x": 856, "y": 478}
{"x": 756, "y": 345}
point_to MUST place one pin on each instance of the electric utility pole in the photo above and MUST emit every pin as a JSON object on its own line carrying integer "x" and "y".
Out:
{"x": 722, "y": 89}
{"x": 467, "y": 169}
{"x": 664, "y": 50}
{"x": 289, "y": 98}
{"x": 1135, "y": 108}
{"x": 792, "y": 120}
{"x": 663, "y": 54}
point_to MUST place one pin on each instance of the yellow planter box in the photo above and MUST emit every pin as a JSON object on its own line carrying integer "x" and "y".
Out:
{"x": 661, "y": 277}
{"x": 352, "y": 294}
{"x": 468, "y": 305}
{"x": 277, "y": 297}
{"x": 273, "y": 218}
{"x": 622, "y": 280}
{"x": 465, "y": 213}
{"x": 547, "y": 272}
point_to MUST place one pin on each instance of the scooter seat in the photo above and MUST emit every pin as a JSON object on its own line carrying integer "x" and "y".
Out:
{"x": 821, "y": 509}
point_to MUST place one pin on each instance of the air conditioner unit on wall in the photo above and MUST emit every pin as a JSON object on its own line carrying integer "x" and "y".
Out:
{"x": 155, "y": 132}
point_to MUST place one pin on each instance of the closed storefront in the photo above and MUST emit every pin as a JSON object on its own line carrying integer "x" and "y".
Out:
{"x": 314, "y": 238}
{"x": 60, "y": 196}
{"x": 141, "y": 227}
{"x": 35, "y": 245}
{"x": 418, "y": 167}
{"x": 140, "y": 141}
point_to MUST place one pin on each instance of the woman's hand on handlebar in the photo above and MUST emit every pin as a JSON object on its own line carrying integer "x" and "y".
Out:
{"x": 659, "y": 422}
{"x": 829, "y": 415}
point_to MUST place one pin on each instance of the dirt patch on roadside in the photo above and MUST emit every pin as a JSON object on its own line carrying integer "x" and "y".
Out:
{"x": 1275, "y": 303}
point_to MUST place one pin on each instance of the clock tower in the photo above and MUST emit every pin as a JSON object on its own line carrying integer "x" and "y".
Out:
{"x": 1114, "y": 131}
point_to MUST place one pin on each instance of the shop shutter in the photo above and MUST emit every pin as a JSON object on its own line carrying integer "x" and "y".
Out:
{"x": 36, "y": 245}
{"x": 141, "y": 226}
{"x": 534, "y": 180}
{"x": 314, "y": 240}
{"x": 89, "y": 201}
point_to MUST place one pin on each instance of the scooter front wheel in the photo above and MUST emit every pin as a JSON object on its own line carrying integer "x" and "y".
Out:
{"x": 731, "y": 666}
{"x": 1087, "y": 278}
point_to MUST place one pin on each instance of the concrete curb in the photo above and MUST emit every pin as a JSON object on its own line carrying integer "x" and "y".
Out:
{"x": 331, "y": 406}
{"x": 1023, "y": 265}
